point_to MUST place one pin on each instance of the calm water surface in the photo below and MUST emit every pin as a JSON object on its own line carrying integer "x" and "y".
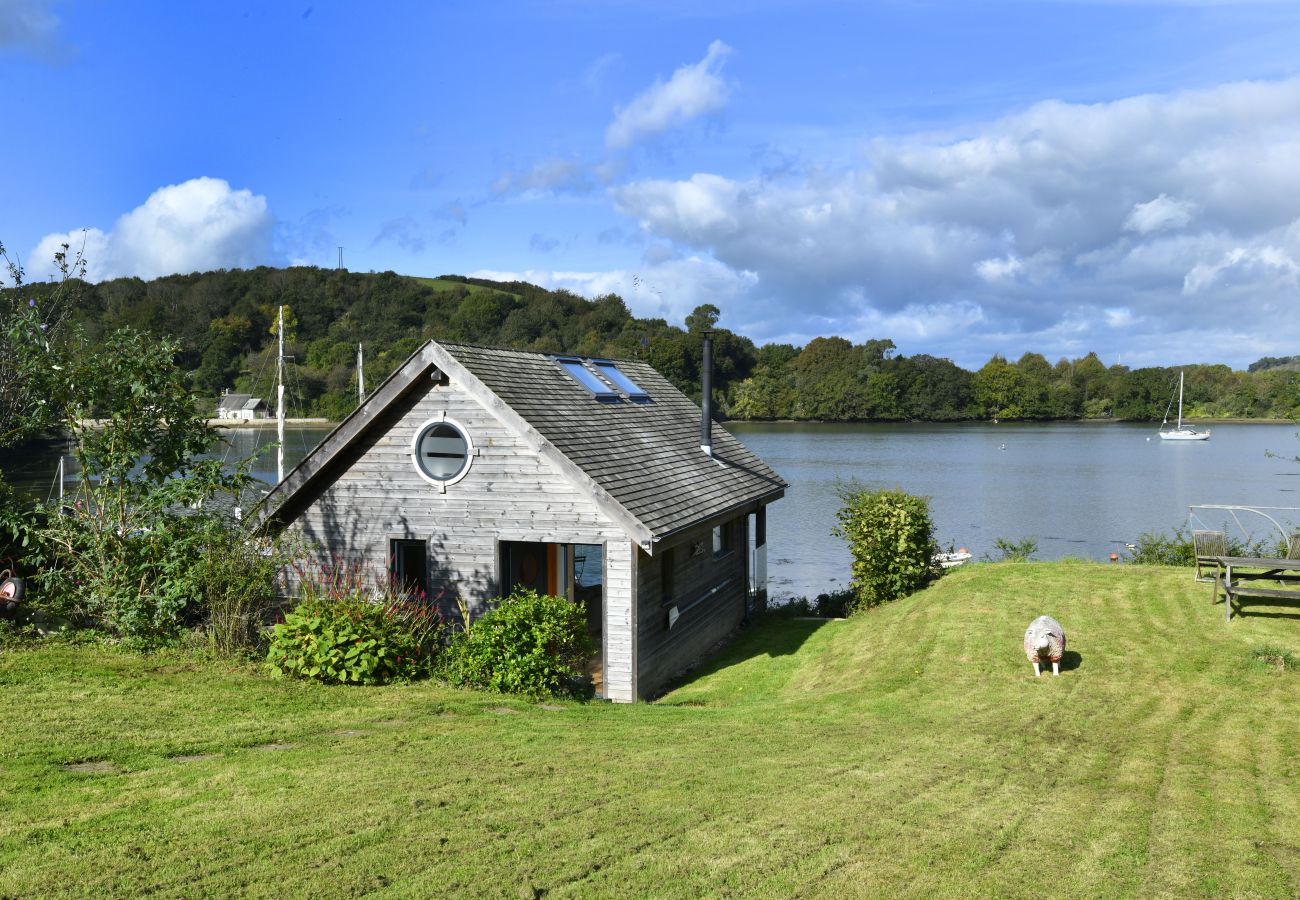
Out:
{"x": 1081, "y": 490}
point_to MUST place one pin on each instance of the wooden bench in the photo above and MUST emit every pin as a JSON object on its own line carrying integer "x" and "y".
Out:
{"x": 1240, "y": 576}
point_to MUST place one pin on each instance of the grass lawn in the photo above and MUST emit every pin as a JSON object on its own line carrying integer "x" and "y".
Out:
{"x": 906, "y": 752}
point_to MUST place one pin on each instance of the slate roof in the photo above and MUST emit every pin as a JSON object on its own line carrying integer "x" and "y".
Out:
{"x": 645, "y": 455}
{"x": 239, "y": 402}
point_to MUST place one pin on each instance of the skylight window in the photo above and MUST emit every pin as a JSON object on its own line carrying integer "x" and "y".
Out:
{"x": 614, "y": 375}
{"x": 587, "y": 378}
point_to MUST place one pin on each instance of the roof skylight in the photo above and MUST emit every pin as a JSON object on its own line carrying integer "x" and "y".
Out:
{"x": 615, "y": 376}
{"x": 587, "y": 378}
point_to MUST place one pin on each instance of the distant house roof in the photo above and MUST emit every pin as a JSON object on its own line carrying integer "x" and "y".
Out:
{"x": 240, "y": 402}
{"x": 639, "y": 456}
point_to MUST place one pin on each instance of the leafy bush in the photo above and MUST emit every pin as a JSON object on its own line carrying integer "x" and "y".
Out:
{"x": 237, "y": 581}
{"x": 1160, "y": 549}
{"x": 343, "y": 633}
{"x": 531, "y": 644}
{"x": 831, "y": 605}
{"x": 1176, "y": 549}
{"x": 1016, "y": 551}
{"x": 891, "y": 538}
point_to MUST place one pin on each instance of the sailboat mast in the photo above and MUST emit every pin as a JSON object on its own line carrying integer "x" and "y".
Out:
{"x": 1180, "y": 401}
{"x": 279, "y": 405}
{"x": 361, "y": 377}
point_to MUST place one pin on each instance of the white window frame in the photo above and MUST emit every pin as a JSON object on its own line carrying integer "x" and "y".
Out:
{"x": 470, "y": 451}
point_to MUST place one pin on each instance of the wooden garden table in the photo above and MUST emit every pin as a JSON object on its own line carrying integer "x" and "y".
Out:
{"x": 1241, "y": 576}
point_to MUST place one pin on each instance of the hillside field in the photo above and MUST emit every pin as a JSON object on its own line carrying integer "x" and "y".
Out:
{"x": 905, "y": 752}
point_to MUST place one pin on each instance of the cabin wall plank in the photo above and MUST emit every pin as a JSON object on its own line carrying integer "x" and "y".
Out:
{"x": 620, "y": 614}
{"x": 665, "y": 652}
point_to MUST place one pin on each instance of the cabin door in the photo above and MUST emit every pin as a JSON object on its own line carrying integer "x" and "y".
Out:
{"x": 587, "y": 586}
{"x": 574, "y": 571}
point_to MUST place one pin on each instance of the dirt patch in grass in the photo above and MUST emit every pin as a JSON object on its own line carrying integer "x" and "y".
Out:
{"x": 92, "y": 767}
{"x": 277, "y": 745}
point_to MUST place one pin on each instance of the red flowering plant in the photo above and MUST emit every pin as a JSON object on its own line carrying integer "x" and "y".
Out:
{"x": 351, "y": 628}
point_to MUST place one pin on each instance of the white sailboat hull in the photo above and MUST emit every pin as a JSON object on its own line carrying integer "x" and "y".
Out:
{"x": 1181, "y": 432}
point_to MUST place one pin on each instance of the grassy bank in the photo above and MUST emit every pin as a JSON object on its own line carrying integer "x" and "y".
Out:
{"x": 906, "y": 752}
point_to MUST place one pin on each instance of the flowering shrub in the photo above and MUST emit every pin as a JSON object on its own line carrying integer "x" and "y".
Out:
{"x": 342, "y": 632}
{"x": 531, "y": 644}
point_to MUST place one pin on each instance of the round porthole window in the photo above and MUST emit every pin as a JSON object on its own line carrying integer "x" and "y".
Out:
{"x": 442, "y": 452}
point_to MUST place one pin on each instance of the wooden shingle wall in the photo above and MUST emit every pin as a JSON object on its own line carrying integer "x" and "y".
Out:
{"x": 664, "y": 652}
{"x": 371, "y": 494}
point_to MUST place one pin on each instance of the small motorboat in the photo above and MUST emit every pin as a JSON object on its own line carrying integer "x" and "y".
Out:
{"x": 953, "y": 558}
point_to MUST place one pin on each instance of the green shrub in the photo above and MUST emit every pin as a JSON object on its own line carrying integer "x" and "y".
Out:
{"x": 1176, "y": 549}
{"x": 830, "y": 605}
{"x": 891, "y": 538}
{"x": 342, "y": 632}
{"x": 236, "y": 581}
{"x": 1016, "y": 551}
{"x": 531, "y": 644}
{"x": 1160, "y": 549}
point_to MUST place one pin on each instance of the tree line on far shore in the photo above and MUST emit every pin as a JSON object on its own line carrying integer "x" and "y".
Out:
{"x": 224, "y": 325}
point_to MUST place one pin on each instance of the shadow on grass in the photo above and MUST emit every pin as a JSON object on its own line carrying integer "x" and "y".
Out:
{"x": 1267, "y": 608}
{"x": 1070, "y": 660}
{"x": 770, "y": 637}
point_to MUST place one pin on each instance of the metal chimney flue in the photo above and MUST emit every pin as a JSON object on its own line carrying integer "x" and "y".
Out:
{"x": 706, "y": 400}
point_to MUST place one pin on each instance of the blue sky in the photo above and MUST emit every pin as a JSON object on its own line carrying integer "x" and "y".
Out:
{"x": 965, "y": 178}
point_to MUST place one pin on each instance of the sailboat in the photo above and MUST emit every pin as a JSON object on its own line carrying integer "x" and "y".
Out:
{"x": 1180, "y": 432}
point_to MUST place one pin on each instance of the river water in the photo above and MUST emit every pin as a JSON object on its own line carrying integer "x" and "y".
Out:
{"x": 1079, "y": 489}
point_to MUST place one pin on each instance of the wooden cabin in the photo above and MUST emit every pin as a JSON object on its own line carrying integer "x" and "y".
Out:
{"x": 474, "y": 469}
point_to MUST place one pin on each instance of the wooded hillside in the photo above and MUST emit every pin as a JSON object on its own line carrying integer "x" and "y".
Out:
{"x": 224, "y": 322}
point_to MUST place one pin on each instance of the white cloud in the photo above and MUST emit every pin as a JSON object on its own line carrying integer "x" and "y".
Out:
{"x": 998, "y": 269}
{"x": 1068, "y": 227}
{"x": 1244, "y": 265}
{"x": 593, "y": 77}
{"x": 1158, "y": 214}
{"x": 694, "y": 90}
{"x": 28, "y": 26}
{"x": 547, "y": 176}
{"x": 667, "y": 290}
{"x": 198, "y": 225}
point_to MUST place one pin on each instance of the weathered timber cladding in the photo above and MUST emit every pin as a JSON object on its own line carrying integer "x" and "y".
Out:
{"x": 372, "y": 494}
{"x": 621, "y": 558}
{"x": 664, "y": 652}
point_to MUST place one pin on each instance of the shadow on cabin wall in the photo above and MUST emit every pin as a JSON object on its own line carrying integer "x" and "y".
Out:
{"x": 336, "y": 536}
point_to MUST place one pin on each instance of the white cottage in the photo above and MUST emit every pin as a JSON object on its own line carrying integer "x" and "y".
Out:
{"x": 244, "y": 407}
{"x": 474, "y": 469}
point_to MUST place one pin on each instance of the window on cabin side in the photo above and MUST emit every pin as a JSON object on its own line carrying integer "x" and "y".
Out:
{"x": 441, "y": 451}
{"x": 723, "y": 540}
{"x": 409, "y": 561}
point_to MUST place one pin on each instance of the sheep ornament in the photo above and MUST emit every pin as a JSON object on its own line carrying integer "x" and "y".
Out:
{"x": 1045, "y": 640}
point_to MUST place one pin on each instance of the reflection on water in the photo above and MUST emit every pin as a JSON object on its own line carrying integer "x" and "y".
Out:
{"x": 1081, "y": 490}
